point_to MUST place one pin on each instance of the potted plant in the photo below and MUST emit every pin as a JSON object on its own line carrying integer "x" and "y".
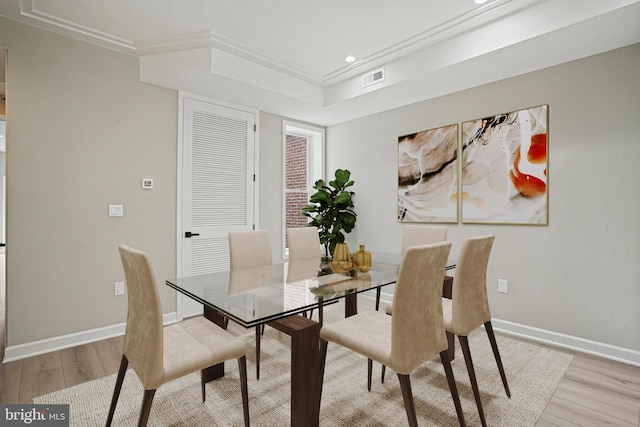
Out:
{"x": 331, "y": 209}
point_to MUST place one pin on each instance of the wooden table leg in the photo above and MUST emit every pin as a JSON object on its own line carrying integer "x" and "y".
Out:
{"x": 217, "y": 371}
{"x": 306, "y": 381}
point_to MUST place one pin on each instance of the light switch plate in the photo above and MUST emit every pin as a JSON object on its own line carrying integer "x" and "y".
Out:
{"x": 147, "y": 183}
{"x": 503, "y": 286}
{"x": 119, "y": 288}
{"x": 116, "y": 210}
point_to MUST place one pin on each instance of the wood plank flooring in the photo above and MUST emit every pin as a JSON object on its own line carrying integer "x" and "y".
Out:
{"x": 593, "y": 392}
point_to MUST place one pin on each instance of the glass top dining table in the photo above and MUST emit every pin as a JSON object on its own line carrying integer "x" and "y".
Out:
{"x": 253, "y": 296}
{"x": 273, "y": 295}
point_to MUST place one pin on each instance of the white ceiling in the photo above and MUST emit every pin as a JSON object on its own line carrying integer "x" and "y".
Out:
{"x": 287, "y": 56}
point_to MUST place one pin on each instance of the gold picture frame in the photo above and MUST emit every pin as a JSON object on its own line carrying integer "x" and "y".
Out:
{"x": 504, "y": 168}
{"x": 427, "y": 176}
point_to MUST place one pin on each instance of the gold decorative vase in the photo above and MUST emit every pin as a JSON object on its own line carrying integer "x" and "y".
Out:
{"x": 362, "y": 260}
{"x": 341, "y": 262}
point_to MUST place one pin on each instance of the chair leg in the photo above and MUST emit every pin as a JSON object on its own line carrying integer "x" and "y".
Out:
{"x": 407, "y": 395}
{"x": 384, "y": 368}
{"x": 494, "y": 346}
{"x": 258, "y": 333}
{"x": 378, "y": 291}
{"x": 322, "y": 360}
{"x": 464, "y": 344}
{"x": 451, "y": 342}
{"x": 446, "y": 363}
{"x": 124, "y": 362}
{"x": 146, "y": 407}
{"x": 369, "y": 371}
{"x": 242, "y": 367}
{"x": 202, "y": 385}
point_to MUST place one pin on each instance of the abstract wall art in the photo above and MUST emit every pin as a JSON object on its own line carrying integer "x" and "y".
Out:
{"x": 427, "y": 169}
{"x": 504, "y": 168}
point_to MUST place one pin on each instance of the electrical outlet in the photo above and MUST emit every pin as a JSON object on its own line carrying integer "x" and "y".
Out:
{"x": 503, "y": 286}
{"x": 119, "y": 288}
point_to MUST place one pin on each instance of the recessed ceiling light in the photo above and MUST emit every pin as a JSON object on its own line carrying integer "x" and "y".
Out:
{"x": 479, "y": 1}
{"x": 350, "y": 58}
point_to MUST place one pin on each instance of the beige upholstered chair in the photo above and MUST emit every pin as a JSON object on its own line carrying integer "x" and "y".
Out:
{"x": 414, "y": 334}
{"x": 250, "y": 249}
{"x": 160, "y": 354}
{"x": 304, "y": 244}
{"x": 415, "y": 235}
{"x": 468, "y": 308}
{"x": 305, "y": 251}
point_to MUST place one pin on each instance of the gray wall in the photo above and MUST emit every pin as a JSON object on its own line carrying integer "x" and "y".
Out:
{"x": 578, "y": 276}
{"x": 83, "y": 132}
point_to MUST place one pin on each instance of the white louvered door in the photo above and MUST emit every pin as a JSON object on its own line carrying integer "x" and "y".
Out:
{"x": 217, "y": 186}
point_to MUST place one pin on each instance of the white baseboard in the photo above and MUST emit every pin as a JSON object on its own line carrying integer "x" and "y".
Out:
{"x": 22, "y": 351}
{"x": 569, "y": 342}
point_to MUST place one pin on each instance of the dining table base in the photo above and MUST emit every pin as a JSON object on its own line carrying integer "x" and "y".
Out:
{"x": 216, "y": 371}
{"x": 306, "y": 379}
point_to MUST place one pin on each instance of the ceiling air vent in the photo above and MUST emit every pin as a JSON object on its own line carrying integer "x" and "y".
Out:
{"x": 373, "y": 77}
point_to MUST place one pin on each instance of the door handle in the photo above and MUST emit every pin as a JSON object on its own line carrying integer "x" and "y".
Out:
{"x": 189, "y": 234}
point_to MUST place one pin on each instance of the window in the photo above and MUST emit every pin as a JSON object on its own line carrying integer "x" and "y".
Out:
{"x": 304, "y": 165}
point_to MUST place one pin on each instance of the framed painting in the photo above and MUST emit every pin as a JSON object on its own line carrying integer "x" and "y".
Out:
{"x": 504, "y": 168}
{"x": 427, "y": 168}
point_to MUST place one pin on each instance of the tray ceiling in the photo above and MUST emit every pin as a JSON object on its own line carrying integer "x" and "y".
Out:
{"x": 296, "y": 49}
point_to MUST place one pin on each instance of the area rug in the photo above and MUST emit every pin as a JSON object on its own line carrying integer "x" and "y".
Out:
{"x": 533, "y": 373}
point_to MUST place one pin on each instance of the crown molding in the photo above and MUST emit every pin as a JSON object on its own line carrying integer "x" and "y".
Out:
{"x": 206, "y": 38}
{"x": 44, "y": 20}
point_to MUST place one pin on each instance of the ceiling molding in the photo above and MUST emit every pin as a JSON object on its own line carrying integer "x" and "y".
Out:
{"x": 500, "y": 39}
{"x": 449, "y": 28}
{"x": 206, "y": 38}
{"x": 44, "y": 20}
{"x": 211, "y": 39}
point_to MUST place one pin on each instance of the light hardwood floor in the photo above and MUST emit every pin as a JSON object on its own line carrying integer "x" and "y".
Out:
{"x": 593, "y": 392}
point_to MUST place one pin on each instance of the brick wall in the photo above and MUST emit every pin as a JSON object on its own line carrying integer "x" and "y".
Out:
{"x": 296, "y": 178}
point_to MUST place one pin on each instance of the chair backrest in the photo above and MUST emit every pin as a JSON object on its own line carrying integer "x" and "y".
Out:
{"x": 470, "y": 305}
{"x": 416, "y": 235}
{"x": 249, "y": 248}
{"x": 417, "y": 331}
{"x": 143, "y": 333}
{"x": 304, "y": 244}
{"x": 243, "y": 280}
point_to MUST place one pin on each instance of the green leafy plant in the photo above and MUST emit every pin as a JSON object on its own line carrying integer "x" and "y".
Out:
{"x": 331, "y": 209}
